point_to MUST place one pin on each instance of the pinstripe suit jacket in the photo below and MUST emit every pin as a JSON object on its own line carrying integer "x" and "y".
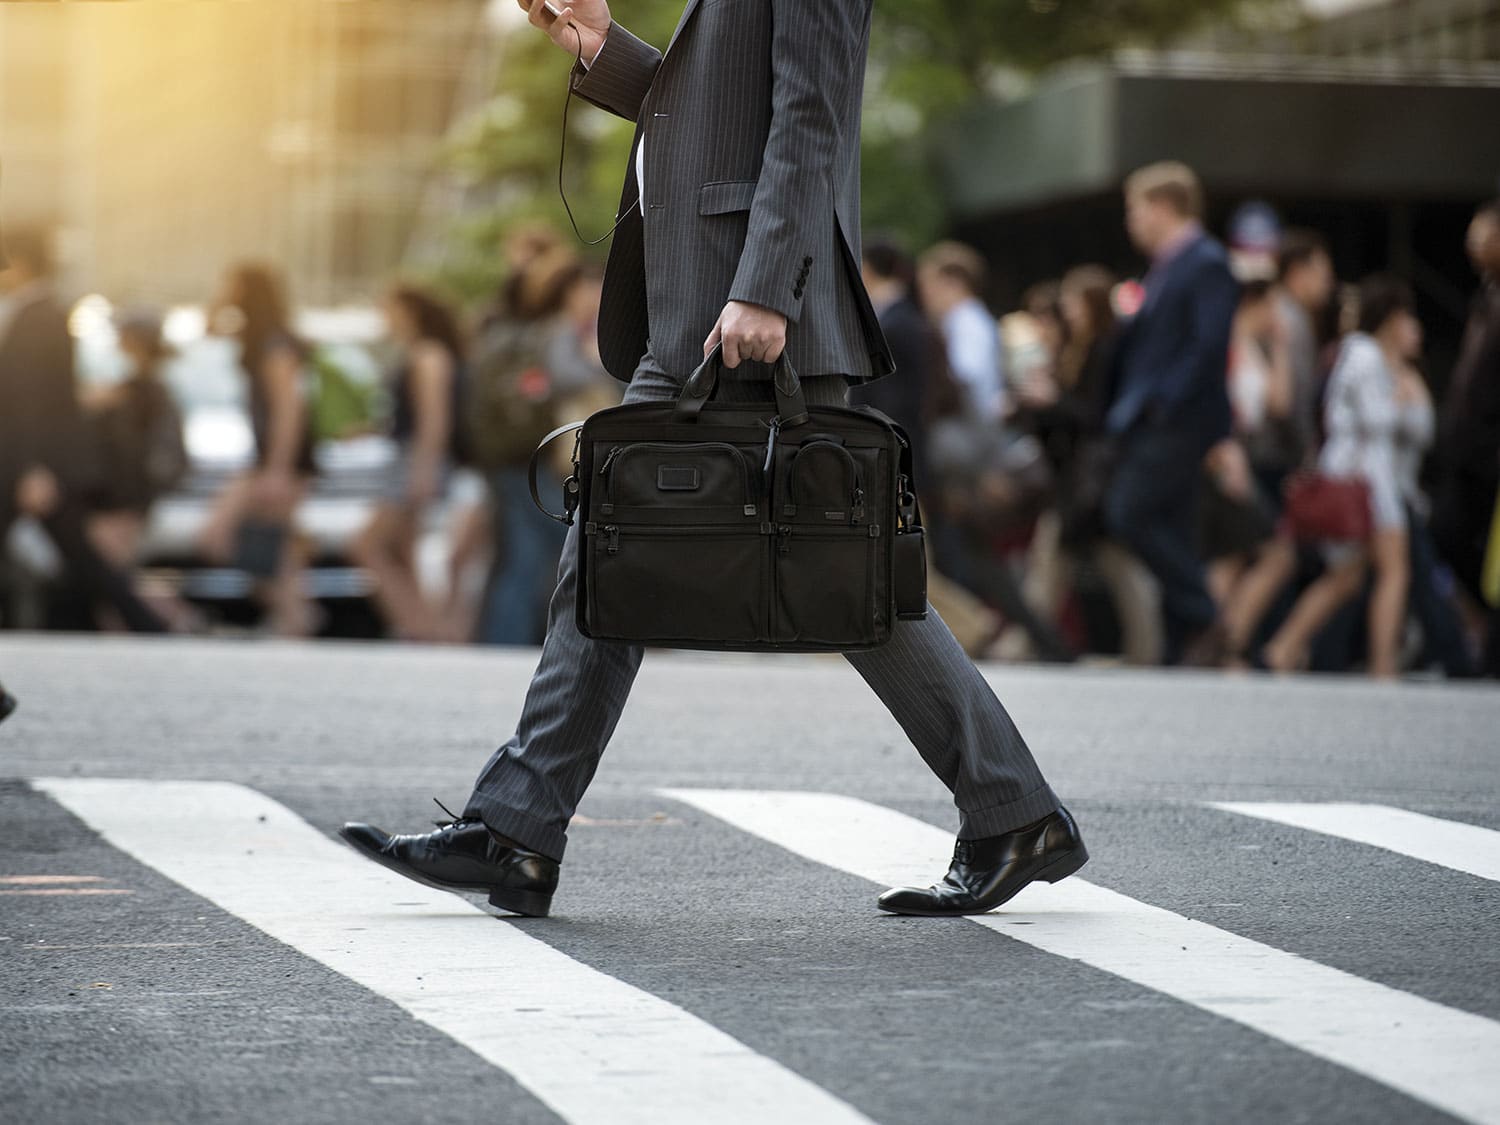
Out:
{"x": 752, "y": 122}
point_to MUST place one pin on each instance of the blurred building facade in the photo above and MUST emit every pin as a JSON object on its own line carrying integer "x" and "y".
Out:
{"x": 161, "y": 141}
{"x": 34, "y": 118}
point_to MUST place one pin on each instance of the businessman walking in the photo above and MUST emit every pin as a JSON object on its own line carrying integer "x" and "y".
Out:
{"x": 740, "y": 228}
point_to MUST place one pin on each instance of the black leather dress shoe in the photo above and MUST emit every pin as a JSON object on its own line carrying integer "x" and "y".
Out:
{"x": 464, "y": 855}
{"x": 7, "y": 704}
{"x": 988, "y": 872}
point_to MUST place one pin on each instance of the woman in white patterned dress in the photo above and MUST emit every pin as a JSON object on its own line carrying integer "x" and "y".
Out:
{"x": 1373, "y": 417}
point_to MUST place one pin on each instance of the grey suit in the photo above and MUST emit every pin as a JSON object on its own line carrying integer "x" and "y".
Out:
{"x": 724, "y": 52}
{"x": 752, "y": 169}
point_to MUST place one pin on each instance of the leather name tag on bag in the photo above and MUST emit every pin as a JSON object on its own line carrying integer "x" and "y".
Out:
{"x": 676, "y": 478}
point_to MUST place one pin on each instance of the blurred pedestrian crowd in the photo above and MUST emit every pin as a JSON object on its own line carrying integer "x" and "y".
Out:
{"x": 466, "y": 404}
{"x": 1233, "y": 461}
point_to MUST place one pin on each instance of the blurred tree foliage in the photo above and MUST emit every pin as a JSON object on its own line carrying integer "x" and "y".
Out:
{"x": 927, "y": 58}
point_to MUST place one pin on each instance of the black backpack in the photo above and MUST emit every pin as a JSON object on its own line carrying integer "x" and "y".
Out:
{"x": 509, "y": 402}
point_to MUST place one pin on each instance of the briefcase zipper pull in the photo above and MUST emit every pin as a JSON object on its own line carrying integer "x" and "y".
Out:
{"x": 784, "y": 540}
{"x": 612, "y": 539}
{"x": 607, "y": 505}
{"x": 771, "y": 445}
{"x": 857, "y": 511}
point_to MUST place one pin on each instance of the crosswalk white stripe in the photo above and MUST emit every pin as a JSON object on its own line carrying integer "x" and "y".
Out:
{"x": 1437, "y": 1054}
{"x": 1447, "y": 843}
{"x": 594, "y": 1049}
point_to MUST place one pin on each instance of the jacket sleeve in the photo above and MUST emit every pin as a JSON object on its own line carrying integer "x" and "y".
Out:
{"x": 1204, "y": 357}
{"x": 815, "y": 58}
{"x": 620, "y": 76}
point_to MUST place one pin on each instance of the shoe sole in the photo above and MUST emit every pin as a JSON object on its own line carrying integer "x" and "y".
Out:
{"x": 1055, "y": 872}
{"x": 531, "y": 904}
{"x": 7, "y": 706}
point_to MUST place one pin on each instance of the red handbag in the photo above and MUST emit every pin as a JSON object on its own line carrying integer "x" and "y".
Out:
{"x": 1321, "y": 507}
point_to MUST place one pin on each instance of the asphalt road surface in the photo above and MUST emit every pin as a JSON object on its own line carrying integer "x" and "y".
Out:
{"x": 1291, "y": 913}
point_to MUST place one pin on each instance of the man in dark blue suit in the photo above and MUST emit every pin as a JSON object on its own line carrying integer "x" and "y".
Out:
{"x": 1171, "y": 400}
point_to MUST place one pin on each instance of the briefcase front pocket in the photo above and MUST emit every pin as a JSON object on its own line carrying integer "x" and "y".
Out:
{"x": 825, "y": 579}
{"x": 822, "y": 482}
{"x": 698, "y": 482}
{"x": 667, "y": 585}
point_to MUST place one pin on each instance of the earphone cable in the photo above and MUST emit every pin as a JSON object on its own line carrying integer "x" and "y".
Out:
{"x": 562, "y": 157}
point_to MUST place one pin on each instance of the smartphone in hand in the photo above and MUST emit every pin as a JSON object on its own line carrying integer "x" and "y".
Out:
{"x": 549, "y": 9}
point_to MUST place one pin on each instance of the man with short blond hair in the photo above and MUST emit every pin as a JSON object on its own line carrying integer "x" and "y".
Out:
{"x": 951, "y": 277}
{"x": 1171, "y": 399}
{"x": 958, "y": 261}
{"x": 1170, "y": 182}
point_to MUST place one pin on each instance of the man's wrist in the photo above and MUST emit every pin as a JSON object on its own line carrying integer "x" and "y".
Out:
{"x": 758, "y": 307}
{"x": 741, "y": 295}
{"x": 588, "y": 64}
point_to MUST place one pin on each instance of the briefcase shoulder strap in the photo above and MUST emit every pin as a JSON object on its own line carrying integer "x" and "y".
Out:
{"x": 570, "y": 486}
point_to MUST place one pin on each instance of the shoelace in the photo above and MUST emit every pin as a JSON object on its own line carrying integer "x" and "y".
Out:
{"x": 460, "y": 821}
{"x": 453, "y": 820}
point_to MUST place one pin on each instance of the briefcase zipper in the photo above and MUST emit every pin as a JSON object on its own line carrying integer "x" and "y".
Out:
{"x": 785, "y": 532}
{"x": 618, "y": 452}
{"x": 609, "y": 533}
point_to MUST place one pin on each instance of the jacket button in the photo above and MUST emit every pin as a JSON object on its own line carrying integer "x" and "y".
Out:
{"x": 807, "y": 261}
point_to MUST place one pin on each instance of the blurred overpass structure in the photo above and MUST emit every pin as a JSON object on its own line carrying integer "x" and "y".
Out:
{"x": 1376, "y": 127}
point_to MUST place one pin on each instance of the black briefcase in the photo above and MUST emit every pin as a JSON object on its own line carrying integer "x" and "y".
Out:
{"x": 774, "y": 527}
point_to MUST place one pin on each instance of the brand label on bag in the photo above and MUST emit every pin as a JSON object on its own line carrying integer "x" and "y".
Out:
{"x": 676, "y": 478}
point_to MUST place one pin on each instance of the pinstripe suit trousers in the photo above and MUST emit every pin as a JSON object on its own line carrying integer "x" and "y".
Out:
{"x": 531, "y": 785}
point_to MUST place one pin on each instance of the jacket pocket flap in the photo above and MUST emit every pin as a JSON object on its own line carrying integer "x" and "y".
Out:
{"x": 726, "y": 196}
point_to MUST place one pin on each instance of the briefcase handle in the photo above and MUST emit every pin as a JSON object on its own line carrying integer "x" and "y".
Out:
{"x": 791, "y": 405}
